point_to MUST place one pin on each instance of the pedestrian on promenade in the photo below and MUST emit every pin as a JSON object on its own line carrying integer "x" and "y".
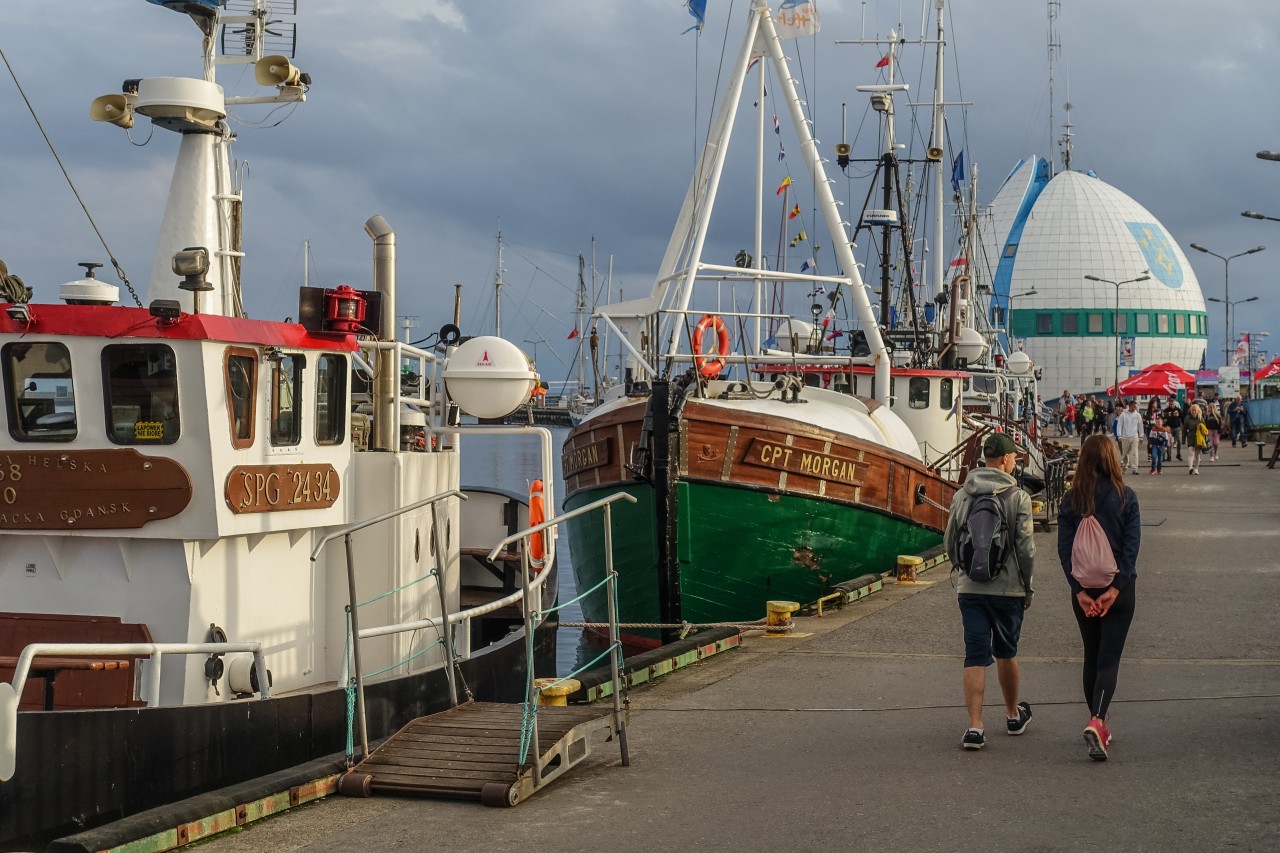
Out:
{"x": 1173, "y": 420}
{"x": 1238, "y": 421}
{"x": 1158, "y": 444}
{"x": 1197, "y": 437}
{"x": 991, "y": 611}
{"x": 1069, "y": 417}
{"x": 1213, "y": 420}
{"x": 1103, "y": 609}
{"x": 1088, "y": 413}
{"x": 1129, "y": 430}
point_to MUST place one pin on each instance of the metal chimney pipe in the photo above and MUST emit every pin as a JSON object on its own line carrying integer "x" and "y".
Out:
{"x": 384, "y": 282}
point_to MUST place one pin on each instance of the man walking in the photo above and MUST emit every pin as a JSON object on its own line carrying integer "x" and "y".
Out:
{"x": 1236, "y": 417}
{"x": 1129, "y": 430}
{"x": 1173, "y": 420}
{"x": 992, "y": 610}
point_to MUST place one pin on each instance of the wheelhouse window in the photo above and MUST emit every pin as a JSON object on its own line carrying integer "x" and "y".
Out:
{"x": 141, "y": 384}
{"x": 286, "y": 400}
{"x": 918, "y": 392}
{"x": 39, "y": 393}
{"x": 331, "y": 399}
{"x": 242, "y": 386}
{"x": 946, "y": 394}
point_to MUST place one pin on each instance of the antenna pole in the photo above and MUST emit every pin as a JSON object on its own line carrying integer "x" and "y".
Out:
{"x": 497, "y": 292}
{"x": 1055, "y": 6}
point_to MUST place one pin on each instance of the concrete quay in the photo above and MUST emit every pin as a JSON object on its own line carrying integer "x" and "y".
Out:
{"x": 849, "y": 738}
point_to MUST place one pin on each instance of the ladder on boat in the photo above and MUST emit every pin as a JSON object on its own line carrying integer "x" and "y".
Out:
{"x": 473, "y": 752}
{"x": 492, "y": 751}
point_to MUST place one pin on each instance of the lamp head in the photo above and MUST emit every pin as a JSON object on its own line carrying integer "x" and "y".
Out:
{"x": 1253, "y": 214}
{"x": 1198, "y": 247}
{"x": 1095, "y": 278}
{"x": 1255, "y": 249}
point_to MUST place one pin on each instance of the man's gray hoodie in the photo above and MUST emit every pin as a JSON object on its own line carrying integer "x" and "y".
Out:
{"x": 1016, "y": 578}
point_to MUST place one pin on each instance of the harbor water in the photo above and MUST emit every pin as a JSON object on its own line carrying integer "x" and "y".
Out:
{"x": 513, "y": 465}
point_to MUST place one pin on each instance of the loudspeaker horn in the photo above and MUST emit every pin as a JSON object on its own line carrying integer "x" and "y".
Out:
{"x": 934, "y": 155}
{"x": 116, "y": 109}
{"x": 276, "y": 71}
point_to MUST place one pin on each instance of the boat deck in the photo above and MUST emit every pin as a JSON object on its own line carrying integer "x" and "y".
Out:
{"x": 473, "y": 752}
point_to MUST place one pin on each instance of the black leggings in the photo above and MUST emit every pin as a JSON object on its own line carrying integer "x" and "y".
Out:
{"x": 1103, "y": 644}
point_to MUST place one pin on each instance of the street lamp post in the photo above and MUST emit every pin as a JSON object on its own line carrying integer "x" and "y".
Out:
{"x": 1115, "y": 322}
{"x": 1008, "y": 320}
{"x": 1226, "y": 289}
{"x": 1231, "y": 308}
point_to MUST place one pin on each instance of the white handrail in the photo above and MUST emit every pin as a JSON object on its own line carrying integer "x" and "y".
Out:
{"x": 11, "y": 693}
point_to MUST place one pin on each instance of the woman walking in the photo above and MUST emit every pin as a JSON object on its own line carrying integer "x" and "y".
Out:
{"x": 1103, "y": 608}
{"x": 1197, "y": 437}
{"x": 1213, "y": 420}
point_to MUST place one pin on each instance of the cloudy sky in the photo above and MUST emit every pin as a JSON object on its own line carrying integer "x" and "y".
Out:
{"x": 558, "y": 121}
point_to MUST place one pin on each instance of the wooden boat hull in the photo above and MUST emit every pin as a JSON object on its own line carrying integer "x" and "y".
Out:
{"x": 764, "y": 508}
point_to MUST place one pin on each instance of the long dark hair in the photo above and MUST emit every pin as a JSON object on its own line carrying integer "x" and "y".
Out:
{"x": 1098, "y": 461}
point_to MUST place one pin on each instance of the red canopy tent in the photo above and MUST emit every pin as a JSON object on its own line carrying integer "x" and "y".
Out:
{"x": 1166, "y": 379}
{"x": 1271, "y": 371}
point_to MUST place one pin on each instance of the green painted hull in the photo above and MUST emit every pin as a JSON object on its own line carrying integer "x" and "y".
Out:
{"x": 738, "y": 548}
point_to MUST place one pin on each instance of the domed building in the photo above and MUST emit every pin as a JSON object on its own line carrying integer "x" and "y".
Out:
{"x": 1052, "y": 231}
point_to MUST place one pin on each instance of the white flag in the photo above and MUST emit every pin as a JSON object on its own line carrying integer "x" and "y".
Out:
{"x": 796, "y": 19}
{"x": 1241, "y": 355}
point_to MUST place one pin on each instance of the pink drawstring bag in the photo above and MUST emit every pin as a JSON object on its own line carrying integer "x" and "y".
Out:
{"x": 1092, "y": 563}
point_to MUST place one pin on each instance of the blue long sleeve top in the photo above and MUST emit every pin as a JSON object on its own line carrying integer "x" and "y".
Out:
{"x": 1121, "y": 523}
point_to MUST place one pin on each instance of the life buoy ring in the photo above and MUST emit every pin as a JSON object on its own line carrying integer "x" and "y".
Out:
{"x": 537, "y": 515}
{"x": 707, "y": 366}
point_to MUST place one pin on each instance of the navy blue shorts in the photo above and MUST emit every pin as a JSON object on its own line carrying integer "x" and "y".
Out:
{"x": 992, "y": 625}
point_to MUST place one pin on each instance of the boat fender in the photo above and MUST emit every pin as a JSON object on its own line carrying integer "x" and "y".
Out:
{"x": 709, "y": 367}
{"x": 213, "y": 667}
{"x": 537, "y": 515}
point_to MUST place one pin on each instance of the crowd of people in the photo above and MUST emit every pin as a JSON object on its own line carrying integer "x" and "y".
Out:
{"x": 1167, "y": 428}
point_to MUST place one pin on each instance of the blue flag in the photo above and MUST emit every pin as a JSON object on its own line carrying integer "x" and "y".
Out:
{"x": 697, "y": 8}
{"x": 957, "y": 172}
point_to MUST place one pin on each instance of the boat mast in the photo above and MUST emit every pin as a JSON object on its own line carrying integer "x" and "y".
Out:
{"x": 1055, "y": 7}
{"x": 939, "y": 121}
{"x": 581, "y": 313}
{"x": 497, "y": 291}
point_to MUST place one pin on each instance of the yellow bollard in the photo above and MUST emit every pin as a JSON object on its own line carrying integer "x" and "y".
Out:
{"x": 905, "y": 572}
{"x": 557, "y": 695}
{"x": 778, "y": 616}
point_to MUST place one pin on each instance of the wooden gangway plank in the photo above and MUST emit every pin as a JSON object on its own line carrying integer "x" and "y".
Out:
{"x": 473, "y": 751}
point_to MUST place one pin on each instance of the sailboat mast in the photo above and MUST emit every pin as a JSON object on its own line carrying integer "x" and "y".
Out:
{"x": 1055, "y": 7}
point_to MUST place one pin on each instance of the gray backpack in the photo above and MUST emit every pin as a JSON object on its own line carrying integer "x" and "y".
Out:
{"x": 984, "y": 540}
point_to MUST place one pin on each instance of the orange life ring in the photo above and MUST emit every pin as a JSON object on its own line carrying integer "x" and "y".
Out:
{"x": 537, "y": 515}
{"x": 707, "y": 366}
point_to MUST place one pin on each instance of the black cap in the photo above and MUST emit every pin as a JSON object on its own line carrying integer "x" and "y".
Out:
{"x": 999, "y": 444}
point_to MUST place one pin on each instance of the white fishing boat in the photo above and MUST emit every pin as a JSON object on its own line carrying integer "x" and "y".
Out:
{"x": 199, "y": 510}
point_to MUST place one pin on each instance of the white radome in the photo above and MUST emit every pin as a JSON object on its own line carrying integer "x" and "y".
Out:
{"x": 1079, "y": 225}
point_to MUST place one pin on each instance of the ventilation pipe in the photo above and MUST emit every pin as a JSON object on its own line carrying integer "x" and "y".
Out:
{"x": 384, "y": 282}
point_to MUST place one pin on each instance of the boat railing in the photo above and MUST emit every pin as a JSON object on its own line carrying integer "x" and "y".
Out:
{"x": 533, "y": 616}
{"x": 408, "y": 354}
{"x": 676, "y": 354}
{"x": 353, "y": 603}
{"x": 11, "y": 693}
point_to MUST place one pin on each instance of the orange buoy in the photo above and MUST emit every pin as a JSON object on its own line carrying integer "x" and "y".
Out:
{"x": 537, "y": 515}
{"x": 709, "y": 367}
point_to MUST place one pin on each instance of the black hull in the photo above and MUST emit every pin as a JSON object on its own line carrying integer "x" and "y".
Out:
{"x": 80, "y": 769}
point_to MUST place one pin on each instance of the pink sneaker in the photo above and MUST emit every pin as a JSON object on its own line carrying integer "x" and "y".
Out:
{"x": 1097, "y": 736}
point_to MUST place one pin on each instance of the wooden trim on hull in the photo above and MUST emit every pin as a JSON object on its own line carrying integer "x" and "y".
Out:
{"x": 747, "y": 449}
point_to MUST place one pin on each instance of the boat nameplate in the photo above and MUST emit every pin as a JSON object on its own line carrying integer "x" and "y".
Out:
{"x": 591, "y": 455}
{"x": 276, "y": 488}
{"x": 808, "y": 463}
{"x": 89, "y": 489}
